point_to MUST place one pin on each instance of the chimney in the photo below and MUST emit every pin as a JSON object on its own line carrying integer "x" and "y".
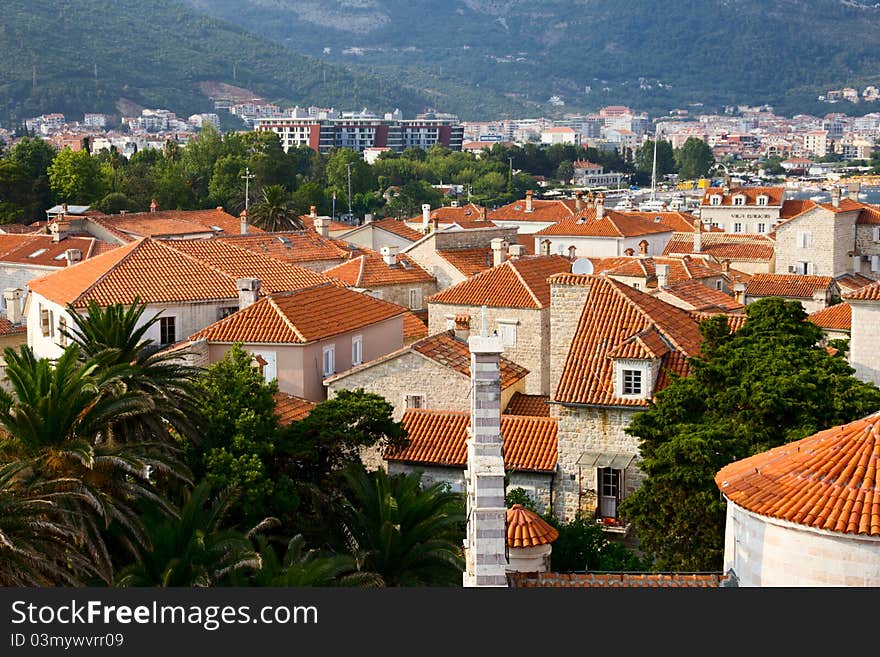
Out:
{"x": 453, "y": 204}
{"x": 578, "y": 200}
{"x": 482, "y": 214}
{"x": 244, "y": 222}
{"x": 725, "y": 266}
{"x": 572, "y": 252}
{"x": 368, "y": 218}
{"x": 739, "y": 292}
{"x": 426, "y": 216}
{"x": 499, "y": 251}
{"x": 389, "y": 255}
{"x": 63, "y": 209}
{"x": 220, "y": 208}
{"x": 485, "y": 544}
{"x": 629, "y": 252}
{"x": 313, "y": 211}
{"x": 435, "y": 224}
{"x": 643, "y": 249}
{"x": 545, "y": 247}
{"x": 835, "y": 197}
{"x": 59, "y": 229}
{"x": 154, "y": 205}
{"x": 528, "y": 200}
{"x": 13, "y": 297}
{"x": 662, "y": 275}
{"x": 600, "y": 205}
{"x": 322, "y": 226}
{"x": 73, "y": 256}
{"x": 698, "y": 235}
{"x": 248, "y": 291}
{"x": 462, "y": 327}
{"x": 516, "y": 251}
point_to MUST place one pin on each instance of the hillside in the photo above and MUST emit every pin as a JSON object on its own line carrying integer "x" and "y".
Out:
{"x": 648, "y": 53}
{"x": 75, "y": 56}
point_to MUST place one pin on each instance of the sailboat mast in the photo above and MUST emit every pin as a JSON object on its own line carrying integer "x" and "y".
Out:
{"x": 654, "y": 172}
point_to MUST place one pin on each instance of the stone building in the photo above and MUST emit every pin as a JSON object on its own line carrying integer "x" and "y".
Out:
{"x": 835, "y": 321}
{"x": 805, "y": 513}
{"x": 813, "y": 292}
{"x": 513, "y": 299}
{"x": 747, "y": 253}
{"x": 742, "y": 209}
{"x": 385, "y": 232}
{"x": 864, "y": 356}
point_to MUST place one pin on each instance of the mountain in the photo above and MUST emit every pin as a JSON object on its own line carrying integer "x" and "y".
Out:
{"x": 76, "y": 56}
{"x": 651, "y": 54}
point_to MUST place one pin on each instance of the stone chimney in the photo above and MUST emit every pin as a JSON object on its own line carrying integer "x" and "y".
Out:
{"x": 482, "y": 214}
{"x": 529, "y": 200}
{"x": 13, "y": 298}
{"x": 499, "y": 251}
{"x": 368, "y": 218}
{"x": 600, "y": 205}
{"x": 572, "y": 252}
{"x": 698, "y": 235}
{"x": 629, "y": 252}
{"x": 313, "y": 211}
{"x": 485, "y": 544}
{"x": 248, "y": 291}
{"x": 435, "y": 224}
{"x": 590, "y": 200}
{"x": 154, "y": 205}
{"x": 63, "y": 209}
{"x": 643, "y": 249}
{"x": 462, "y": 327}
{"x": 73, "y": 256}
{"x": 725, "y": 266}
{"x": 578, "y": 201}
{"x": 739, "y": 292}
{"x": 59, "y": 229}
{"x": 835, "y": 197}
{"x": 426, "y": 216}
{"x": 322, "y": 226}
{"x": 662, "y": 275}
{"x": 545, "y": 247}
{"x": 516, "y": 251}
{"x": 243, "y": 219}
{"x": 389, "y": 255}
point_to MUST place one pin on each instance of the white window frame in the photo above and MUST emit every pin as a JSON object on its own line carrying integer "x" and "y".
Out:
{"x": 761, "y": 228}
{"x": 450, "y": 322}
{"x": 738, "y": 227}
{"x": 762, "y": 200}
{"x": 357, "y": 350}
{"x": 328, "y": 367}
{"x": 44, "y": 321}
{"x": 739, "y": 199}
{"x": 507, "y": 331}
{"x": 805, "y": 239}
{"x": 875, "y": 231}
{"x": 421, "y": 403}
{"x": 803, "y": 268}
{"x": 637, "y": 379}
{"x": 714, "y": 200}
{"x": 415, "y": 298}
{"x": 875, "y": 263}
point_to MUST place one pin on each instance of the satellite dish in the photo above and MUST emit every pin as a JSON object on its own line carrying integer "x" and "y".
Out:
{"x": 582, "y": 266}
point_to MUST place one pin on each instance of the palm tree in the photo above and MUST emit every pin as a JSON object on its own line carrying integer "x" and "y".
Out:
{"x": 274, "y": 212}
{"x": 194, "y": 549}
{"x": 409, "y": 535}
{"x": 301, "y": 567}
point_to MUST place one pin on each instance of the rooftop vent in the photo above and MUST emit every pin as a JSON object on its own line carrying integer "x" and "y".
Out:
{"x": 37, "y": 253}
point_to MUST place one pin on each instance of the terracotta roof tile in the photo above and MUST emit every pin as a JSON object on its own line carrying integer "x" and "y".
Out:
{"x": 293, "y": 246}
{"x": 41, "y": 250}
{"x": 681, "y": 268}
{"x": 522, "y": 404}
{"x": 612, "y": 224}
{"x": 398, "y": 228}
{"x": 305, "y": 315}
{"x": 8, "y": 328}
{"x": 837, "y": 317}
{"x": 290, "y": 408}
{"x": 703, "y": 298}
{"x": 612, "y": 315}
{"x": 618, "y": 580}
{"x": 829, "y": 481}
{"x": 774, "y": 195}
{"x": 175, "y": 222}
{"x": 646, "y": 344}
{"x": 853, "y": 282}
{"x": 870, "y": 214}
{"x": 334, "y": 226}
{"x": 413, "y": 327}
{"x": 469, "y": 261}
{"x": 438, "y": 438}
{"x": 517, "y": 283}
{"x": 542, "y": 210}
{"x": 448, "y": 214}
{"x": 370, "y": 270}
{"x": 723, "y": 246}
{"x": 867, "y": 293}
{"x": 446, "y": 349}
{"x": 787, "y": 285}
{"x": 527, "y": 529}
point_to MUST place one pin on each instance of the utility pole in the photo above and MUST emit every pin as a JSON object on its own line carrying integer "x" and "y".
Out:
{"x": 248, "y": 176}
{"x": 510, "y": 174}
{"x": 348, "y": 166}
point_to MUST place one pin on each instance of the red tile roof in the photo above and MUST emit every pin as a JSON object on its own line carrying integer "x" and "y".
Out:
{"x": 174, "y": 222}
{"x": 870, "y": 214}
{"x": 448, "y": 214}
{"x": 41, "y": 250}
{"x": 413, "y": 327}
{"x": 398, "y": 228}
{"x": 836, "y": 318}
{"x": 542, "y": 210}
{"x": 853, "y": 282}
{"x": 527, "y": 529}
{"x": 370, "y": 270}
{"x": 469, "y": 261}
{"x": 724, "y": 246}
{"x": 522, "y": 404}
{"x": 438, "y": 438}
{"x": 681, "y": 268}
{"x": 774, "y": 195}
{"x": 787, "y": 285}
{"x": 294, "y": 246}
{"x": 334, "y": 226}
{"x": 612, "y": 224}
{"x": 703, "y": 298}
{"x": 618, "y": 580}
{"x": 305, "y": 315}
{"x": 867, "y": 293}
{"x": 613, "y": 314}
{"x": 830, "y": 480}
{"x": 516, "y": 283}
{"x": 8, "y": 328}
{"x": 290, "y": 408}
{"x": 446, "y": 349}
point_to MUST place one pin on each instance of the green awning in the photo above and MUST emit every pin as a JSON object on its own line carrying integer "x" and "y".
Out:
{"x": 613, "y": 460}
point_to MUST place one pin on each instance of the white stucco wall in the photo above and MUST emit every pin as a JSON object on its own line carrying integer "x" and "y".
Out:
{"x": 603, "y": 247}
{"x": 864, "y": 342}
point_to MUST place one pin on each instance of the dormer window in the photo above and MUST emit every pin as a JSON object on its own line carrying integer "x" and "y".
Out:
{"x": 632, "y": 382}
{"x": 763, "y": 199}
{"x": 634, "y": 378}
{"x": 739, "y": 199}
{"x": 715, "y": 199}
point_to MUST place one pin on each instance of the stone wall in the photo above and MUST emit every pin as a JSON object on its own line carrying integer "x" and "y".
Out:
{"x": 865, "y": 245}
{"x": 566, "y": 305}
{"x": 833, "y": 240}
{"x": 864, "y": 356}
{"x": 532, "y": 348}
{"x": 399, "y": 293}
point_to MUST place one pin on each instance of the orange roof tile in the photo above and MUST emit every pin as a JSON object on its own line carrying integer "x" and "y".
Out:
{"x": 774, "y": 195}
{"x": 335, "y": 226}
{"x": 522, "y": 404}
{"x": 293, "y": 246}
{"x": 618, "y": 580}
{"x": 438, "y": 438}
{"x": 681, "y": 268}
{"x": 175, "y": 222}
{"x": 516, "y": 283}
{"x": 829, "y": 481}
{"x": 398, "y": 228}
{"x": 446, "y": 349}
{"x": 646, "y": 344}
{"x": 786, "y": 285}
{"x": 448, "y": 214}
{"x": 867, "y": 293}
{"x": 793, "y": 207}
{"x": 370, "y": 270}
{"x": 542, "y": 210}
{"x": 723, "y": 246}
{"x": 613, "y": 313}
{"x": 853, "y": 282}
{"x": 870, "y": 214}
{"x": 290, "y": 408}
{"x": 301, "y": 316}
{"x": 527, "y": 529}
{"x": 612, "y": 224}
{"x": 413, "y": 327}
{"x": 837, "y": 317}
{"x": 700, "y": 297}
{"x": 41, "y": 250}
{"x": 469, "y": 261}
{"x": 8, "y": 328}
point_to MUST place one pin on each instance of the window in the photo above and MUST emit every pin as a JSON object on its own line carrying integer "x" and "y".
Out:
{"x": 44, "y": 320}
{"x": 715, "y": 199}
{"x": 226, "y": 312}
{"x": 718, "y": 284}
{"x": 357, "y": 350}
{"x": 737, "y": 227}
{"x": 715, "y": 224}
{"x": 415, "y": 298}
{"x": 636, "y": 286}
{"x": 609, "y": 491}
{"x": 875, "y": 263}
{"x": 739, "y": 200}
{"x": 62, "y": 331}
{"x": 876, "y": 233}
{"x": 805, "y": 239}
{"x": 415, "y": 401}
{"x": 632, "y": 382}
{"x": 507, "y": 332}
{"x": 329, "y": 361}
{"x": 762, "y": 200}
{"x": 761, "y": 228}
{"x": 450, "y": 323}
{"x": 803, "y": 268}
{"x": 167, "y": 330}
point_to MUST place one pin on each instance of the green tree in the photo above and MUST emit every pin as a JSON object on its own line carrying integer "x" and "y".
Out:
{"x": 583, "y": 545}
{"x": 337, "y": 171}
{"x": 113, "y": 203}
{"x": 694, "y": 158}
{"x": 645, "y": 159}
{"x": 565, "y": 172}
{"x": 18, "y": 202}
{"x": 75, "y": 177}
{"x": 767, "y": 384}
{"x": 409, "y": 199}
{"x": 36, "y": 156}
{"x": 274, "y": 211}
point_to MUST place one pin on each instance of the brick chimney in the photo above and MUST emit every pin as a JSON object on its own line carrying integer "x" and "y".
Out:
{"x": 243, "y": 217}
{"x": 572, "y": 252}
{"x": 529, "y": 200}
{"x": 462, "y": 327}
{"x": 662, "y": 275}
{"x": 154, "y": 205}
{"x": 499, "y": 251}
{"x": 698, "y": 235}
{"x": 322, "y": 226}
{"x": 426, "y": 216}
{"x": 435, "y": 224}
{"x": 389, "y": 255}
{"x": 482, "y": 214}
{"x": 248, "y": 291}
{"x": 629, "y": 252}
{"x": 73, "y": 256}
{"x": 485, "y": 544}
{"x": 545, "y": 247}
{"x": 13, "y": 298}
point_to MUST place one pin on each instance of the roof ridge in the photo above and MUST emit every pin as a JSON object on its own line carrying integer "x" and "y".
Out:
{"x": 524, "y": 283}
{"x": 619, "y": 287}
{"x": 134, "y": 246}
{"x": 285, "y": 319}
{"x": 203, "y": 263}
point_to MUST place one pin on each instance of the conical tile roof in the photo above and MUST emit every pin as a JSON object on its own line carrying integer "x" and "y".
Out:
{"x": 527, "y": 529}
